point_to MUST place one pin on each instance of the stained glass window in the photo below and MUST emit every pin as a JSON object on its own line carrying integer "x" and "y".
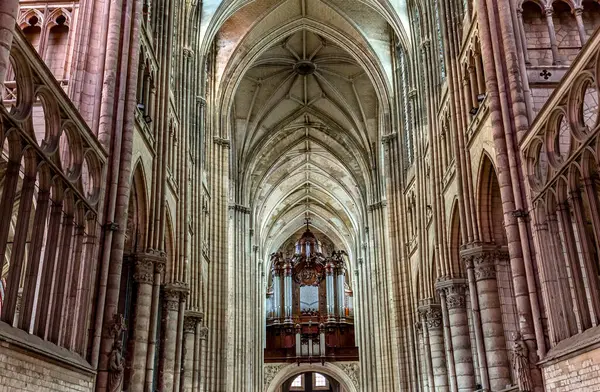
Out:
{"x": 438, "y": 27}
{"x": 320, "y": 380}
{"x": 406, "y": 104}
{"x": 297, "y": 382}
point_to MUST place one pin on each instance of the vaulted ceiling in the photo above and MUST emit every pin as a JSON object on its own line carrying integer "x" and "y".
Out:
{"x": 305, "y": 88}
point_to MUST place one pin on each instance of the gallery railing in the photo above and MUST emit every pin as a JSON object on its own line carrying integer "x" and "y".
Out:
{"x": 51, "y": 172}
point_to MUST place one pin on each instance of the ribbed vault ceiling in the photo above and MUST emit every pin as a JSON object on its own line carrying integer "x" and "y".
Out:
{"x": 305, "y": 117}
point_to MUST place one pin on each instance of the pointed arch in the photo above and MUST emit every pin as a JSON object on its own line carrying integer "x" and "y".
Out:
{"x": 137, "y": 220}
{"x": 169, "y": 247}
{"x": 455, "y": 243}
{"x": 489, "y": 204}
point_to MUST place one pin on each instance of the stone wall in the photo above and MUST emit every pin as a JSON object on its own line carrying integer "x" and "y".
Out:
{"x": 573, "y": 366}
{"x": 29, "y": 364}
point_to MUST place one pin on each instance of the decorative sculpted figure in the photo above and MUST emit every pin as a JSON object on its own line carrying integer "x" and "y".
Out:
{"x": 521, "y": 364}
{"x": 116, "y": 361}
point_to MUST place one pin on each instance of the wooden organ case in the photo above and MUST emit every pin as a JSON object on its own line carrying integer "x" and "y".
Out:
{"x": 310, "y": 316}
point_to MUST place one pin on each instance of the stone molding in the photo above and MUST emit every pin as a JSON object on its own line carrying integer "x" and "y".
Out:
{"x": 241, "y": 208}
{"x": 225, "y": 143}
{"x": 385, "y": 139}
{"x": 377, "y": 205}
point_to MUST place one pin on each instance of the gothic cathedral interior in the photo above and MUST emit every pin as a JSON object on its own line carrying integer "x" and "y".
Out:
{"x": 300, "y": 195}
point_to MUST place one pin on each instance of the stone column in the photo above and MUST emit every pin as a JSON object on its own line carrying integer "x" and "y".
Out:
{"x": 522, "y": 35}
{"x": 202, "y": 336}
{"x": 422, "y": 360}
{"x": 429, "y": 383}
{"x": 454, "y": 291}
{"x": 170, "y": 316}
{"x": 190, "y": 325}
{"x": 479, "y": 72}
{"x": 160, "y": 262}
{"x": 473, "y": 82}
{"x": 467, "y": 97}
{"x": 482, "y": 259}
{"x": 433, "y": 322}
{"x": 8, "y": 15}
{"x": 578, "y": 11}
{"x": 550, "y": 22}
{"x": 144, "y": 277}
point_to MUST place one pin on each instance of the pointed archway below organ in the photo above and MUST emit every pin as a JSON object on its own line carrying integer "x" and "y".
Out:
{"x": 345, "y": 374}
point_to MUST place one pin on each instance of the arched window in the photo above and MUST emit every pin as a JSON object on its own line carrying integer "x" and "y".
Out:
{"x": 406, "y": 108}
{"x": 57, "y": 48}
{"x": 320, "y": 380}
{"x": 298, "y": 382}
{"x": 33, "y": 31}
{"x": 440, "y": 41}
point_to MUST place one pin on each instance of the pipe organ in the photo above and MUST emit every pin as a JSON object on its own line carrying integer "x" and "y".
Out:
{"x": 310, "y": 314}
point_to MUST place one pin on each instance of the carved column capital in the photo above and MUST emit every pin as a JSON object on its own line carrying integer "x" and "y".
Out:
{"x": 418, "y": 327}
{"x": 147, "y": 263}
{"x": 174, "y": 293}
{"x": 434, "y": 317}
{"x": 431, "y": 314}
{"x": 191, "y": 321}
{"x": 454, "y": 290}
{"x": 483, "y": 259}
{"x": 203, "y": 333}
{"x": 171, "y": 300}
{"x": 159, "y": 267}
{"x": 144, "y": 271}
